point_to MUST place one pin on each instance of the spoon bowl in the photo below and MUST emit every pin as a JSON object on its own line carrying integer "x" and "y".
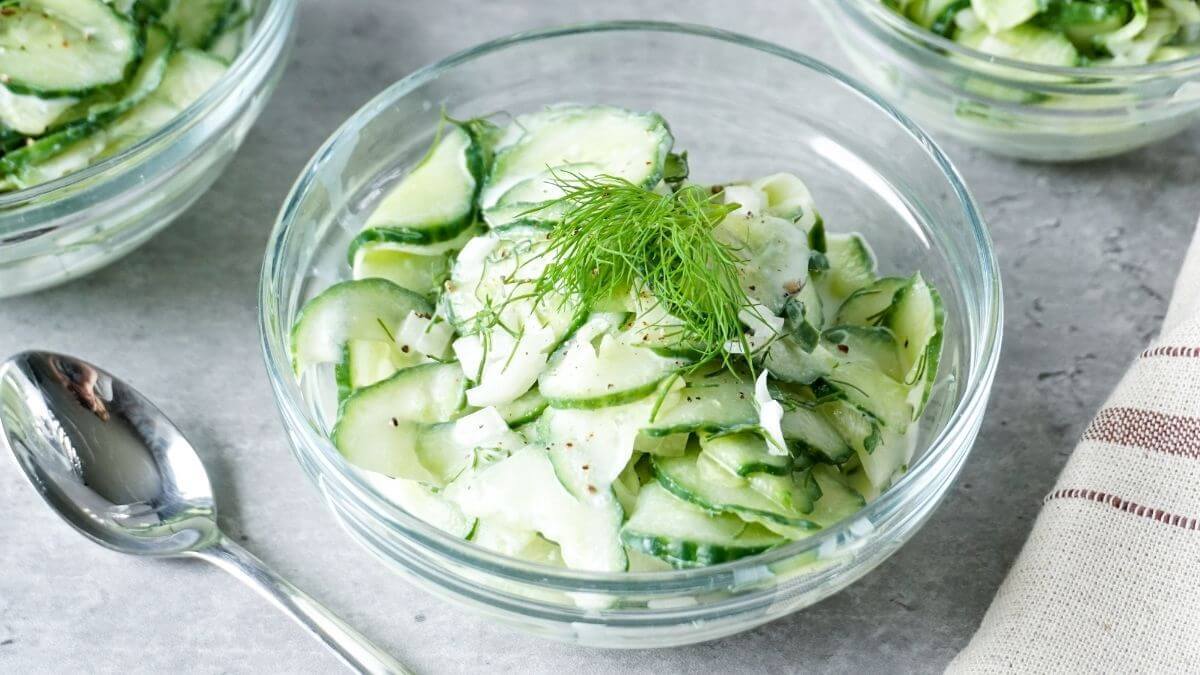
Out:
{"x": 105, "y": 458}
{"x": 118, "y": 471}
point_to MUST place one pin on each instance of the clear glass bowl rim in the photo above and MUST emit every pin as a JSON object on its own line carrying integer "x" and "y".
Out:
{"x": 983, "y": 354}
{"x": 277, "y": 17}
{"x": 1178, "y": 68}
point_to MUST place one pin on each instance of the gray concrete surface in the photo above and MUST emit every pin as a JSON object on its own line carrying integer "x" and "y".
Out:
{"x": 1089, "y": 253}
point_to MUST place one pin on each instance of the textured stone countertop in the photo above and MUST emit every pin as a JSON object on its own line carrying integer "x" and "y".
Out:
{"x": 1089, "y": 253}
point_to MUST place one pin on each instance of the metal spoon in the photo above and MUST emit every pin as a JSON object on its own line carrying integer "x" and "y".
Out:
{"x": 115, "y": 468}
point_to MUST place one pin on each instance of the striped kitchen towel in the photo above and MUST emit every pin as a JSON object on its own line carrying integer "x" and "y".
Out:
{"x": 1109, "y": 580}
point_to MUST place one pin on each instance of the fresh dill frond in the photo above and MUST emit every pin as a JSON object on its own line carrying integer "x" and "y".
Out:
{"x": 616, "y": 237}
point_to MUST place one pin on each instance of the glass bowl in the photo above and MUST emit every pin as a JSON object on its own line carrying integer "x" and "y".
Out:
{"x": 1013, "y": 108}
{"x": 63, "y": 229}
{"x": 742, "y": 108}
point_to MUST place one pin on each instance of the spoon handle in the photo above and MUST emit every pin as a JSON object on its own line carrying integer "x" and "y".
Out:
{"x": 351, "y": 646}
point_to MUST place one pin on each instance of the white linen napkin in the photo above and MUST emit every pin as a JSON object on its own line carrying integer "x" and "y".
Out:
{"x": 1109, "y": 580}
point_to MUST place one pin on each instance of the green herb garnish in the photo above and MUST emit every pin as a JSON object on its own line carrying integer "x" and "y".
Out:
{"x": 616, "y": 237}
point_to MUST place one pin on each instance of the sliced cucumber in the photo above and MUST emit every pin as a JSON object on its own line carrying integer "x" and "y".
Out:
{"x": 684, "y": 535}
{"x": 196, "y": 23}
{"x": 1084, "y": 22}
{"x": 1000, "y": 15}
{"x": 917, "y": 319}
{"x": 789, "y": 361}
{"x": 423, "y": 274}
{"x": 851, "y": 264}
{"x": 881, "y": 453}
{"x": 31, "y": 115}
{"x": 378, "y": 426}
{"x": 683, "y": 478}
{"x": 868, "y": 305}
{"x": 57, "y": 48}
{"x": 366, "y": 309}
{"x": 525, "y": 200}
{"x": 76, "y": 142}
{"x": 525, "y": 409}
{"x": 1025, "y": 43}
{"x": 838, "y": 500}
{"x": 590, "y": 448}
{"x": 522, "y": 492}
{"x": 435, "y": 202}
{"x": 788, "y": 197}
{"x": 53, "y": 156}
{"x": 744, "y": 454}
{"x": 723, "y": 402}
{"x": 366, "y": 362}
{"x": 189, "y": 73}
{"x": 595, "y": 368}
{"x": 927, "y": 12}
{"x": 424, "y": 503}
{"x": 776, "y": 251}
{"x": 628, "y": 145}
{"x": 864, "y": 386}
{"x": 448, "y": 449}
{"x": 808, "y": 432}
{"x": 875, "y": 346}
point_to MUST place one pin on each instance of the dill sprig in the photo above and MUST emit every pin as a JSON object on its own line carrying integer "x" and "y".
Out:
{"x": 616, "y": 237}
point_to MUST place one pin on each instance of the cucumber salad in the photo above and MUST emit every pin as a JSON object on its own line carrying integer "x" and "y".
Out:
{"x": 81, "y": 80}
{"x": 1065, "y": 32}
{"x": 558, "y": 347}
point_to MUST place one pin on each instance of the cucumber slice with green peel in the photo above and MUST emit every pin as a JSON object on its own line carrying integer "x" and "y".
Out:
{"x": 74, "y": 144}
{"x": 436, "y": 200}
{"x": 838, "y": 500}
{"x": 366, "y": 362}
{"x": 873, "y": 392}
{"x": 880, "y": 452}
{"x": 526, "y": 199}
{"x": 522, "y": 492}
{"x": 1083, "y": 22}
{"x": 875, "y": 346}
{"x": 682, "y": 477}
{"x": 626, "y": 144}
{"x": 775, "y": 252}
{"x": 365, "y": 309}
{"x": 927, "y": 12}
{"x": 378, "y": 427}
{"x": 423, "y": 274}
{"x": 807, "y": 432}
{"x": 594, "y": 368}
{"x": 744, "y": 454}
{"x": 917, "y": 318}
{"x": 1001, "y": 15}
{"x": 189, "y": 74}
{"x": 851, "y": 264}
{"x": 789, "y": 361}
{"x": 52, "y": 156}
{"x": 684, "y": 535}
{"x": 672, "y": 445}
{"x": 31, "y": 115}
{"x": 424, "y": 503}
{"x": 197, "y": 23}
{"x": 590, "y": 448}
{"x": 525, "y": 409}
{"x": 868, "y": 305}
{"x": 714, "y": 404}
{"x": 788, "y": 197}
{"x": 56, "y": 48}
{"x": 469, "y": 443}
{"x": 1024, "y": 43}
